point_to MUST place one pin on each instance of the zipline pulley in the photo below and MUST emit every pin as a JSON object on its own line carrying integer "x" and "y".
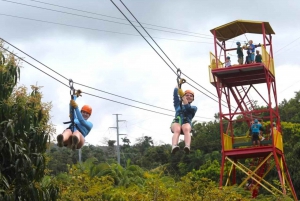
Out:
{"x": 180, "y": 81}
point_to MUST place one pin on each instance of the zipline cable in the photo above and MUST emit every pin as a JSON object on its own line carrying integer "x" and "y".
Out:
{"x": 145, "y": 31}
{"x": 122, "y": 97}
{"x": 206, "y": 95}
{"x": 83, "y": 92}
{"x": 144, "y": 38}
{"x": 86, "y": 85}
{"x": 33, "y": 66}
{"x": 131, "y": 99}
{"x": 155, "y": 43}
{"x": 127, "y": 104}
{"x": 83, "y": 84}
{"x": 34, "y": 59}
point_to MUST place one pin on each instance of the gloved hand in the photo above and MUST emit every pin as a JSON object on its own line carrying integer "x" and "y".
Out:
{"x": 180, "y": 93}
{"x": 78, "y": 92}
{"x": 182, "y": 81}
{"x": 73, "y": 104}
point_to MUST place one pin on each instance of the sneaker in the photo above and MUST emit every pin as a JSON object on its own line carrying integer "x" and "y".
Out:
{"x": 60, "y": 140}
{"x": 75, "y": 142}
{"x": 186, "y": 149}
{"x": 175, "y": 149}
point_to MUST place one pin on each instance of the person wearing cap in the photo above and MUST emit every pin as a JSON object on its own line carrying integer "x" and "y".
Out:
{"x": 240, "y": 53}
{"x": 73, "y": 136}
{"x": 182, "y": 123}
{"x": 227, "y": 62}
{"x": 255, "y": 129}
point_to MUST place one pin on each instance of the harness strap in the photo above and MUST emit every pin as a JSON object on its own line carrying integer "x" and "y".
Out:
{"x": 72, "y": 126}
{"x": 72, "y": 92}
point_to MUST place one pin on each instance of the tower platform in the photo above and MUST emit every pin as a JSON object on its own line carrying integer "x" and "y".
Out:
{"x": 242, "y": 74}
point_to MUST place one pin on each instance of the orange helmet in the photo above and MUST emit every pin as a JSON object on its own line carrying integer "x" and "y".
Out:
{"x": 87, "y": 109}
{"x": 189, "y": 92}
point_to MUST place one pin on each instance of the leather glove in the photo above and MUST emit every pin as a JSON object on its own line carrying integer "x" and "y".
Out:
{"x": 73, "y": 104}
{"x": 180, "y": 92}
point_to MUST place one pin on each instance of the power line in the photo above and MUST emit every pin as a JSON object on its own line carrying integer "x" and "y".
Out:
{"x": 286, "y": 45}
{"x": 84, "y": 11}
{"x": 94, "y": 29}
{"x": 93, "y": 18}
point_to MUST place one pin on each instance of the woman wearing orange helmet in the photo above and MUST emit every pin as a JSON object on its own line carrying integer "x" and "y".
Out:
{"x": 73, "y": 136}
{"x": 182, "y": 124}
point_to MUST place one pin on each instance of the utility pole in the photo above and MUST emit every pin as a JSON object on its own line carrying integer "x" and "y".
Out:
{"x": 118, "y": 134}
{"x": 79, "y": 155}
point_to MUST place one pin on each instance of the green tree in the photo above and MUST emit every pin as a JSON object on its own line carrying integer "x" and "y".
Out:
{"x": 24, "y": 131}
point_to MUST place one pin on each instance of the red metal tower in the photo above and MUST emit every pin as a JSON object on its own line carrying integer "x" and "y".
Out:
{"x": 234, "y": 85}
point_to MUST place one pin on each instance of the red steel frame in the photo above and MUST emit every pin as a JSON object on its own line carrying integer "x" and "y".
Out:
{"x": 234, "y": 87}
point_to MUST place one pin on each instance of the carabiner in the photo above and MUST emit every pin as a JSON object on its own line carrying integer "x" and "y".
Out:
{"x": 72, "y": 90}
{"x": 178, "y": 72}
{"x": 178, "y": 77}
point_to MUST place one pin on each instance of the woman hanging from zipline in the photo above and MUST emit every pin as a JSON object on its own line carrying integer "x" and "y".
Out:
{"x": 73, "y": 136}
{"x": 184, "y": 113}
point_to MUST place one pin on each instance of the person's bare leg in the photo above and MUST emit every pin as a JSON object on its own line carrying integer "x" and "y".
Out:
{"x": 64, "y": 138}
{"x": 186, "y": 128}
{"x": 76, "y": 137}
{"x": 81, "y": 141}
{"x": 176, "y": 128}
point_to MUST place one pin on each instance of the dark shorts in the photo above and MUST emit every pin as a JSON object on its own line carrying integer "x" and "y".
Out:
{"x": 255, "y": 137}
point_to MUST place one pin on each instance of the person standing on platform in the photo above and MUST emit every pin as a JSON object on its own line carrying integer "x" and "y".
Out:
{"x": 240, "y": 53}
{"x": 256, "y": 128}
{"x": 258, "y": 57}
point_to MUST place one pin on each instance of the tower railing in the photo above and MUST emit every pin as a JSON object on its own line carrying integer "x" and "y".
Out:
{"x": 213, "y": 65}
{"x": 267, "y": 60}
{"x": 245, "y": 141}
